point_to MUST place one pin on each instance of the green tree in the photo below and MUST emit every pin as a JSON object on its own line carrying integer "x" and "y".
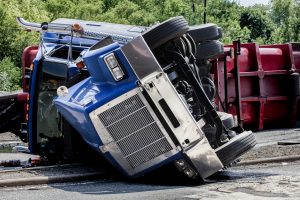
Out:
{"x": 127, "y": 12}
{"x": 80, "y": 9}
{"x": 13, "y": 39}
{"x": 285, "y": 14}
{"x": 226, "y": 14}
{"x": 257, "y": 20}
{"x": 294, "y": 22}
{"x": 10, "y": 76}
{"x": 276, "y": 23}
{"x": 280, "y": 13}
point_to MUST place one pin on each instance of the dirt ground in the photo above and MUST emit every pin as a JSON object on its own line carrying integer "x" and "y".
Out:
{"x": 271, "y": 151}
{"x": 278, "y": 181}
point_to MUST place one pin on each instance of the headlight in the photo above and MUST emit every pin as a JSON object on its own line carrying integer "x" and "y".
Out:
{"x": 186, "y": 168}
{"x": 114, "y": 66}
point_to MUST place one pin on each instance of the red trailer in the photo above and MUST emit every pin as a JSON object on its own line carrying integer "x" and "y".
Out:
{"x": 267, "y": 82}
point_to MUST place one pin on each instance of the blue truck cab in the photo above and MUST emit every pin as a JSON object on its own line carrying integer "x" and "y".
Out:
{"x": 136, "y": 98}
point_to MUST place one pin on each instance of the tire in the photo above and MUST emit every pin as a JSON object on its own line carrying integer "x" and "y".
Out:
{"x": 165, "y": 31}
{"x": 295, "y": 84}
{"x": 209, "y": 49}
{"x": 236, "y": 147}
{"x": 205, "y": 32}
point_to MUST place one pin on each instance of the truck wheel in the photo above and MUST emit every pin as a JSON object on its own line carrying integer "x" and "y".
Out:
{"x": 205, "y": 32}
{"x": 236, "y": 147}
{"x": 209, "y": 49}
{"x": 165, "y": 31}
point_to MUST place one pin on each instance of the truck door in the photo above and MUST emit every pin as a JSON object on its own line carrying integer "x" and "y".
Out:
{"x": 44, "y": 119}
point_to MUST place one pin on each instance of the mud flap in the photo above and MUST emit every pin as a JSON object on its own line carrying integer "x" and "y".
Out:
{"x": 204, "y": 159}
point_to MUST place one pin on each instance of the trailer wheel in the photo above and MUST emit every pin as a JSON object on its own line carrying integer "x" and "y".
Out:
{"x": 209, "y": 49}
{"x": 295, "y": 84}
{"x": 205, "y": 32}
{"x": 165, "y": 31}
{"x": 236, "y": 147}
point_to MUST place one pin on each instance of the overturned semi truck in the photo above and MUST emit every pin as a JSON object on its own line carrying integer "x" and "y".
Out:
{"x": 140, "y": 96}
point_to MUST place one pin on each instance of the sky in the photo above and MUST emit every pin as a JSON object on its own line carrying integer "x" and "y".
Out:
{"x": 252, "y": 2}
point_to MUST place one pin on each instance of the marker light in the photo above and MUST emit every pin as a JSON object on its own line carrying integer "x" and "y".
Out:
{"x": 62, "y": 91}
{"x": 77, "y": 28}
{"x": 114, "y": 66}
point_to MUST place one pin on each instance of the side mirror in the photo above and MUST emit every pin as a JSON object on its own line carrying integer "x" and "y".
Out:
{"x": 54, "y": 69}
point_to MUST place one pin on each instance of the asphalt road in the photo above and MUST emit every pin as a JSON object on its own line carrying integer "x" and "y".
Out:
{"x": 270, "y": 181}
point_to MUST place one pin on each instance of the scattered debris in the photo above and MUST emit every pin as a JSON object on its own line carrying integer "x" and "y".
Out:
{"x": 289, "y": 142}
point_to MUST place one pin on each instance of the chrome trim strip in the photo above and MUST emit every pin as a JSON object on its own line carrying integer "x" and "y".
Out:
{"x": 52, "y": 27}
{"x": 28, "y": 25}
{"x": 67, "y": 29}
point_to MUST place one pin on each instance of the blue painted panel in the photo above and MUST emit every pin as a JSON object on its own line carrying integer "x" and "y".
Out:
{"x": 32, "y": 103}
{"x": 95, "y": 91}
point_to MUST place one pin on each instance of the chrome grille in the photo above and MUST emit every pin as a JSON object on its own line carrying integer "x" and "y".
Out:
{"x": 158, "y": 148}
{"x": 121, "y": 110}
{"x": 135, "y": 131}
{"x": 122, "y": 128}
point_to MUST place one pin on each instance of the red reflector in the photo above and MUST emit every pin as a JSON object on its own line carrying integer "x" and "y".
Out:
{"x": 80, "y": 65}
{"x": 77, "y": 28}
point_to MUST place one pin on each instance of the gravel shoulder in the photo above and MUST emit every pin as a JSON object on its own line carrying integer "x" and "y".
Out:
{"x": 50, "y": 171}
{"x": 267, "y": 144}
{"x": 271, "y": 151}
